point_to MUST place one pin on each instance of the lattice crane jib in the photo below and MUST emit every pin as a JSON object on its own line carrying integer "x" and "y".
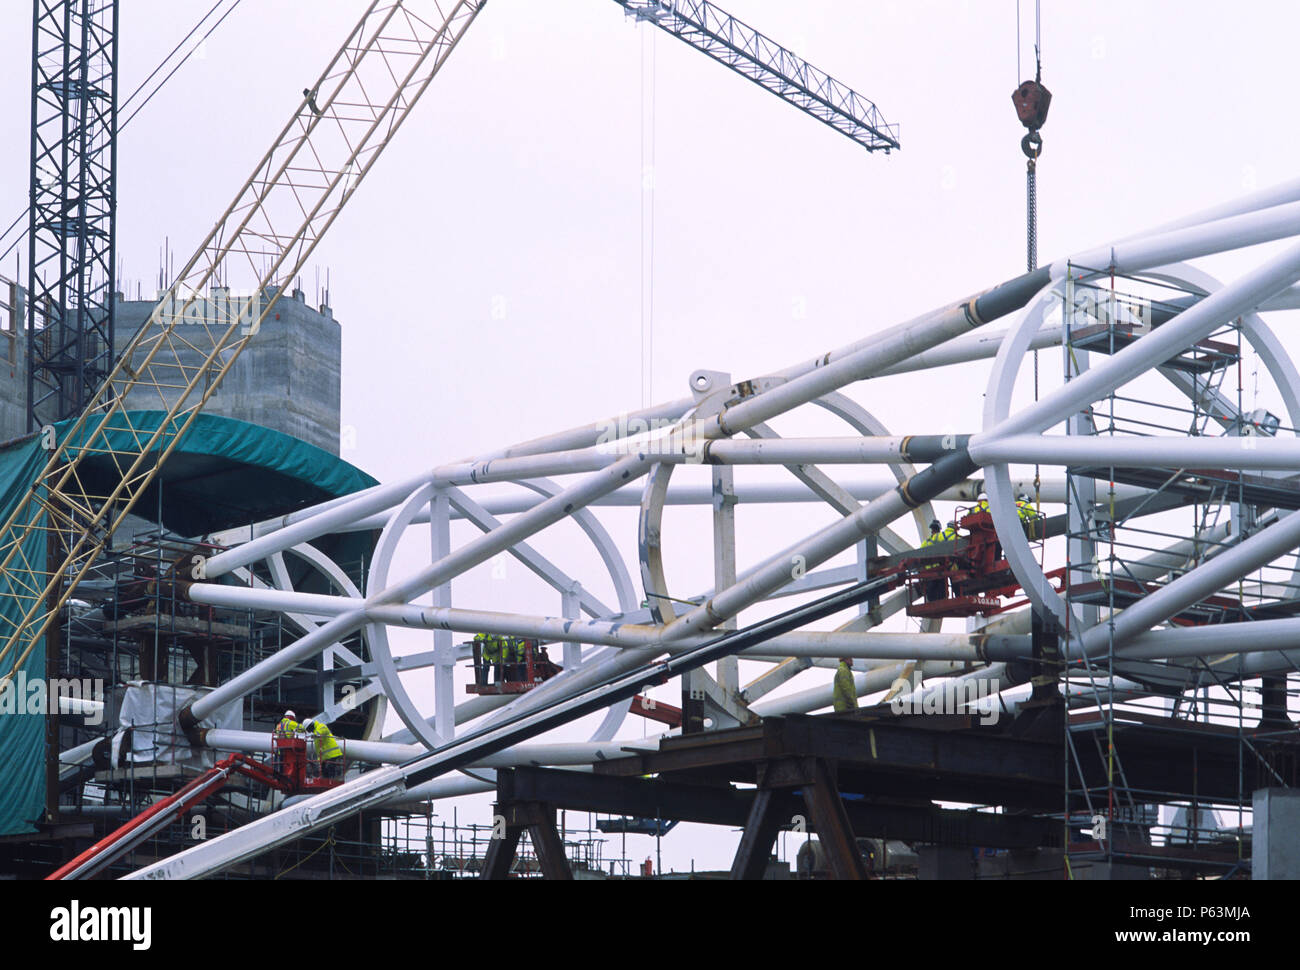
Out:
{"x": 176, "y": 361}
{"x": 749, "y": 53}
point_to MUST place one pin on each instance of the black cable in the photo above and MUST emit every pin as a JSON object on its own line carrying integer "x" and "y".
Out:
{"x": 21, "y": 235}
{"x": 181, "y": 64}
{"x": 141, "y": 87}
{"x": 161, "y": 64}
{"x": 464, "y": 751}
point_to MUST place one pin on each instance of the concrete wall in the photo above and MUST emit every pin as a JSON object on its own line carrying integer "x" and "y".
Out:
{"x": 1275, "y": 834}
{"x": 287, "y": 379}
{"x": 13, "y": 362}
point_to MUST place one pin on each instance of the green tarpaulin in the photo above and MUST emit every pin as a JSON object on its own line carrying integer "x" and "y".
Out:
{"x": 224, "y": 473}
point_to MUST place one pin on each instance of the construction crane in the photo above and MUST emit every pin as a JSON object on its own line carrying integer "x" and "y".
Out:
{"x": 179, "y": 357}
{"x": 765, "y": 62}
{"x": 71, "y": 225}
{"x": 177, "y": 360}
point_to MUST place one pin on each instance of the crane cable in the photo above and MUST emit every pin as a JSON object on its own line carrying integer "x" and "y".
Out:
{"x": 1032, "y": 145}
{"x": 183, "y": 60}
{"x": 1031, "y": 215}
{"x": 1031, "y": 101}
{"x": 134, "y": 94}
{"x": 646, "y": 188}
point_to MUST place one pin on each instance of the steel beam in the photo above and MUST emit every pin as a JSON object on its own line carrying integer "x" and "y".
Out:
{"x": 767, "y": 815}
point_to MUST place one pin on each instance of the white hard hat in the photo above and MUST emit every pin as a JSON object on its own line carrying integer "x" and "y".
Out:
{"x": 290, "y": 714}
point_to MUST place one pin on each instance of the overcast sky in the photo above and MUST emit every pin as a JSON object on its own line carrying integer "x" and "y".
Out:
{"x": 488, "y": 274}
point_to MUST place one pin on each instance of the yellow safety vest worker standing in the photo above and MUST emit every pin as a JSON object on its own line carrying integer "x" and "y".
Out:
{"x": 327, "y": 748}
{"x": 846, "y": 694}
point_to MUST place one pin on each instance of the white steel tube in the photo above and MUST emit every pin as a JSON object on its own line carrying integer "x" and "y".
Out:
{"x": 1190, "y": 588}
{"x": 1233, "y": 452}
{"x": 1266, "y": 198}
{"x": 1051, "y": 490}
{"x": 980, "y": 345}
{"x": 382, "y": 752}
{"x": 1213, "y": 640}
{"x": 1164, "y": 342}
{"x": 1178, "y": 245}
{"x": 321, "y": 523}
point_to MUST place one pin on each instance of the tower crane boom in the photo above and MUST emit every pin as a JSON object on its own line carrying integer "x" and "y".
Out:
{"x": 765, "y": 62}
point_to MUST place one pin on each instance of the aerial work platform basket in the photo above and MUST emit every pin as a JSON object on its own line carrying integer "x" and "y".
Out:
{"x": 299, "y": 766}
{"x": 525, "y": 668}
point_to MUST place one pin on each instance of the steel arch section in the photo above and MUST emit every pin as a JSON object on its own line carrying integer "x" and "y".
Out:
{"x": 623, "y": 588}
{"x": 654, "y": 492}
{"x": 404, "y": 516}
{"x": 328, "y": 568}
{"x": 1006, "y": 367}
{"x": 378, "y": 632}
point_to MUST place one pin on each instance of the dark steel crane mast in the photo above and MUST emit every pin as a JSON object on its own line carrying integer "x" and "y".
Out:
{"x": 72, "y": 237}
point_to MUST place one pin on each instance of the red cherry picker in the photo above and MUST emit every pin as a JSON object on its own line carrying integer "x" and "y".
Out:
{"x": 293, "y": 770}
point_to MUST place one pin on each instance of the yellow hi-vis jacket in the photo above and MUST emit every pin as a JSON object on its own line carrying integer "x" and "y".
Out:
{"x": 846, "y": 696}
{"x": 287, "y": 727}
{"x": 326, "y": 745}
{"x": 492, "y": 650}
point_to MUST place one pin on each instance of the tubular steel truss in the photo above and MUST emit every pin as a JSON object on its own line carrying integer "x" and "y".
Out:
{"x": 671, "y": 634}
{"x": 613, "y": 650}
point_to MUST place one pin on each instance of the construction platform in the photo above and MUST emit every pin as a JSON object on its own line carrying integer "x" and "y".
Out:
{"x": 875, "y": 774}
{"x": 145, "y": 623}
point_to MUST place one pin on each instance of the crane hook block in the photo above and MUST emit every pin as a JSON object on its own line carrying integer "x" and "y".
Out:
{"x": 1032, "y": 101}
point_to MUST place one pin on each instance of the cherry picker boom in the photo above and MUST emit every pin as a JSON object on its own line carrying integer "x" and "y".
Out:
{"x": 289, "y": 774}
{"x": 376, "y": 787}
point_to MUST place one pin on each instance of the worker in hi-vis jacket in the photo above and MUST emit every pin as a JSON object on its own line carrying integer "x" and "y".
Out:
{"x": 846, "y": 694}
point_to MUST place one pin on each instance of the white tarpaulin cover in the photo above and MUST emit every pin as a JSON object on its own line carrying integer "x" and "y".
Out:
{"x": 151, "y": 709}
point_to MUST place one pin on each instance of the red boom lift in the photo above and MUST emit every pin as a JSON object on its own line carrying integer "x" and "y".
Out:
{"x": 292, "y": 771}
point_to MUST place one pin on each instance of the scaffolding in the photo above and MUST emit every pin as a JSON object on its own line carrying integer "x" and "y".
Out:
{"x": 1120, "y": 547}
{"x": 130, "y": 630}
{"x": 423, "y": 846}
